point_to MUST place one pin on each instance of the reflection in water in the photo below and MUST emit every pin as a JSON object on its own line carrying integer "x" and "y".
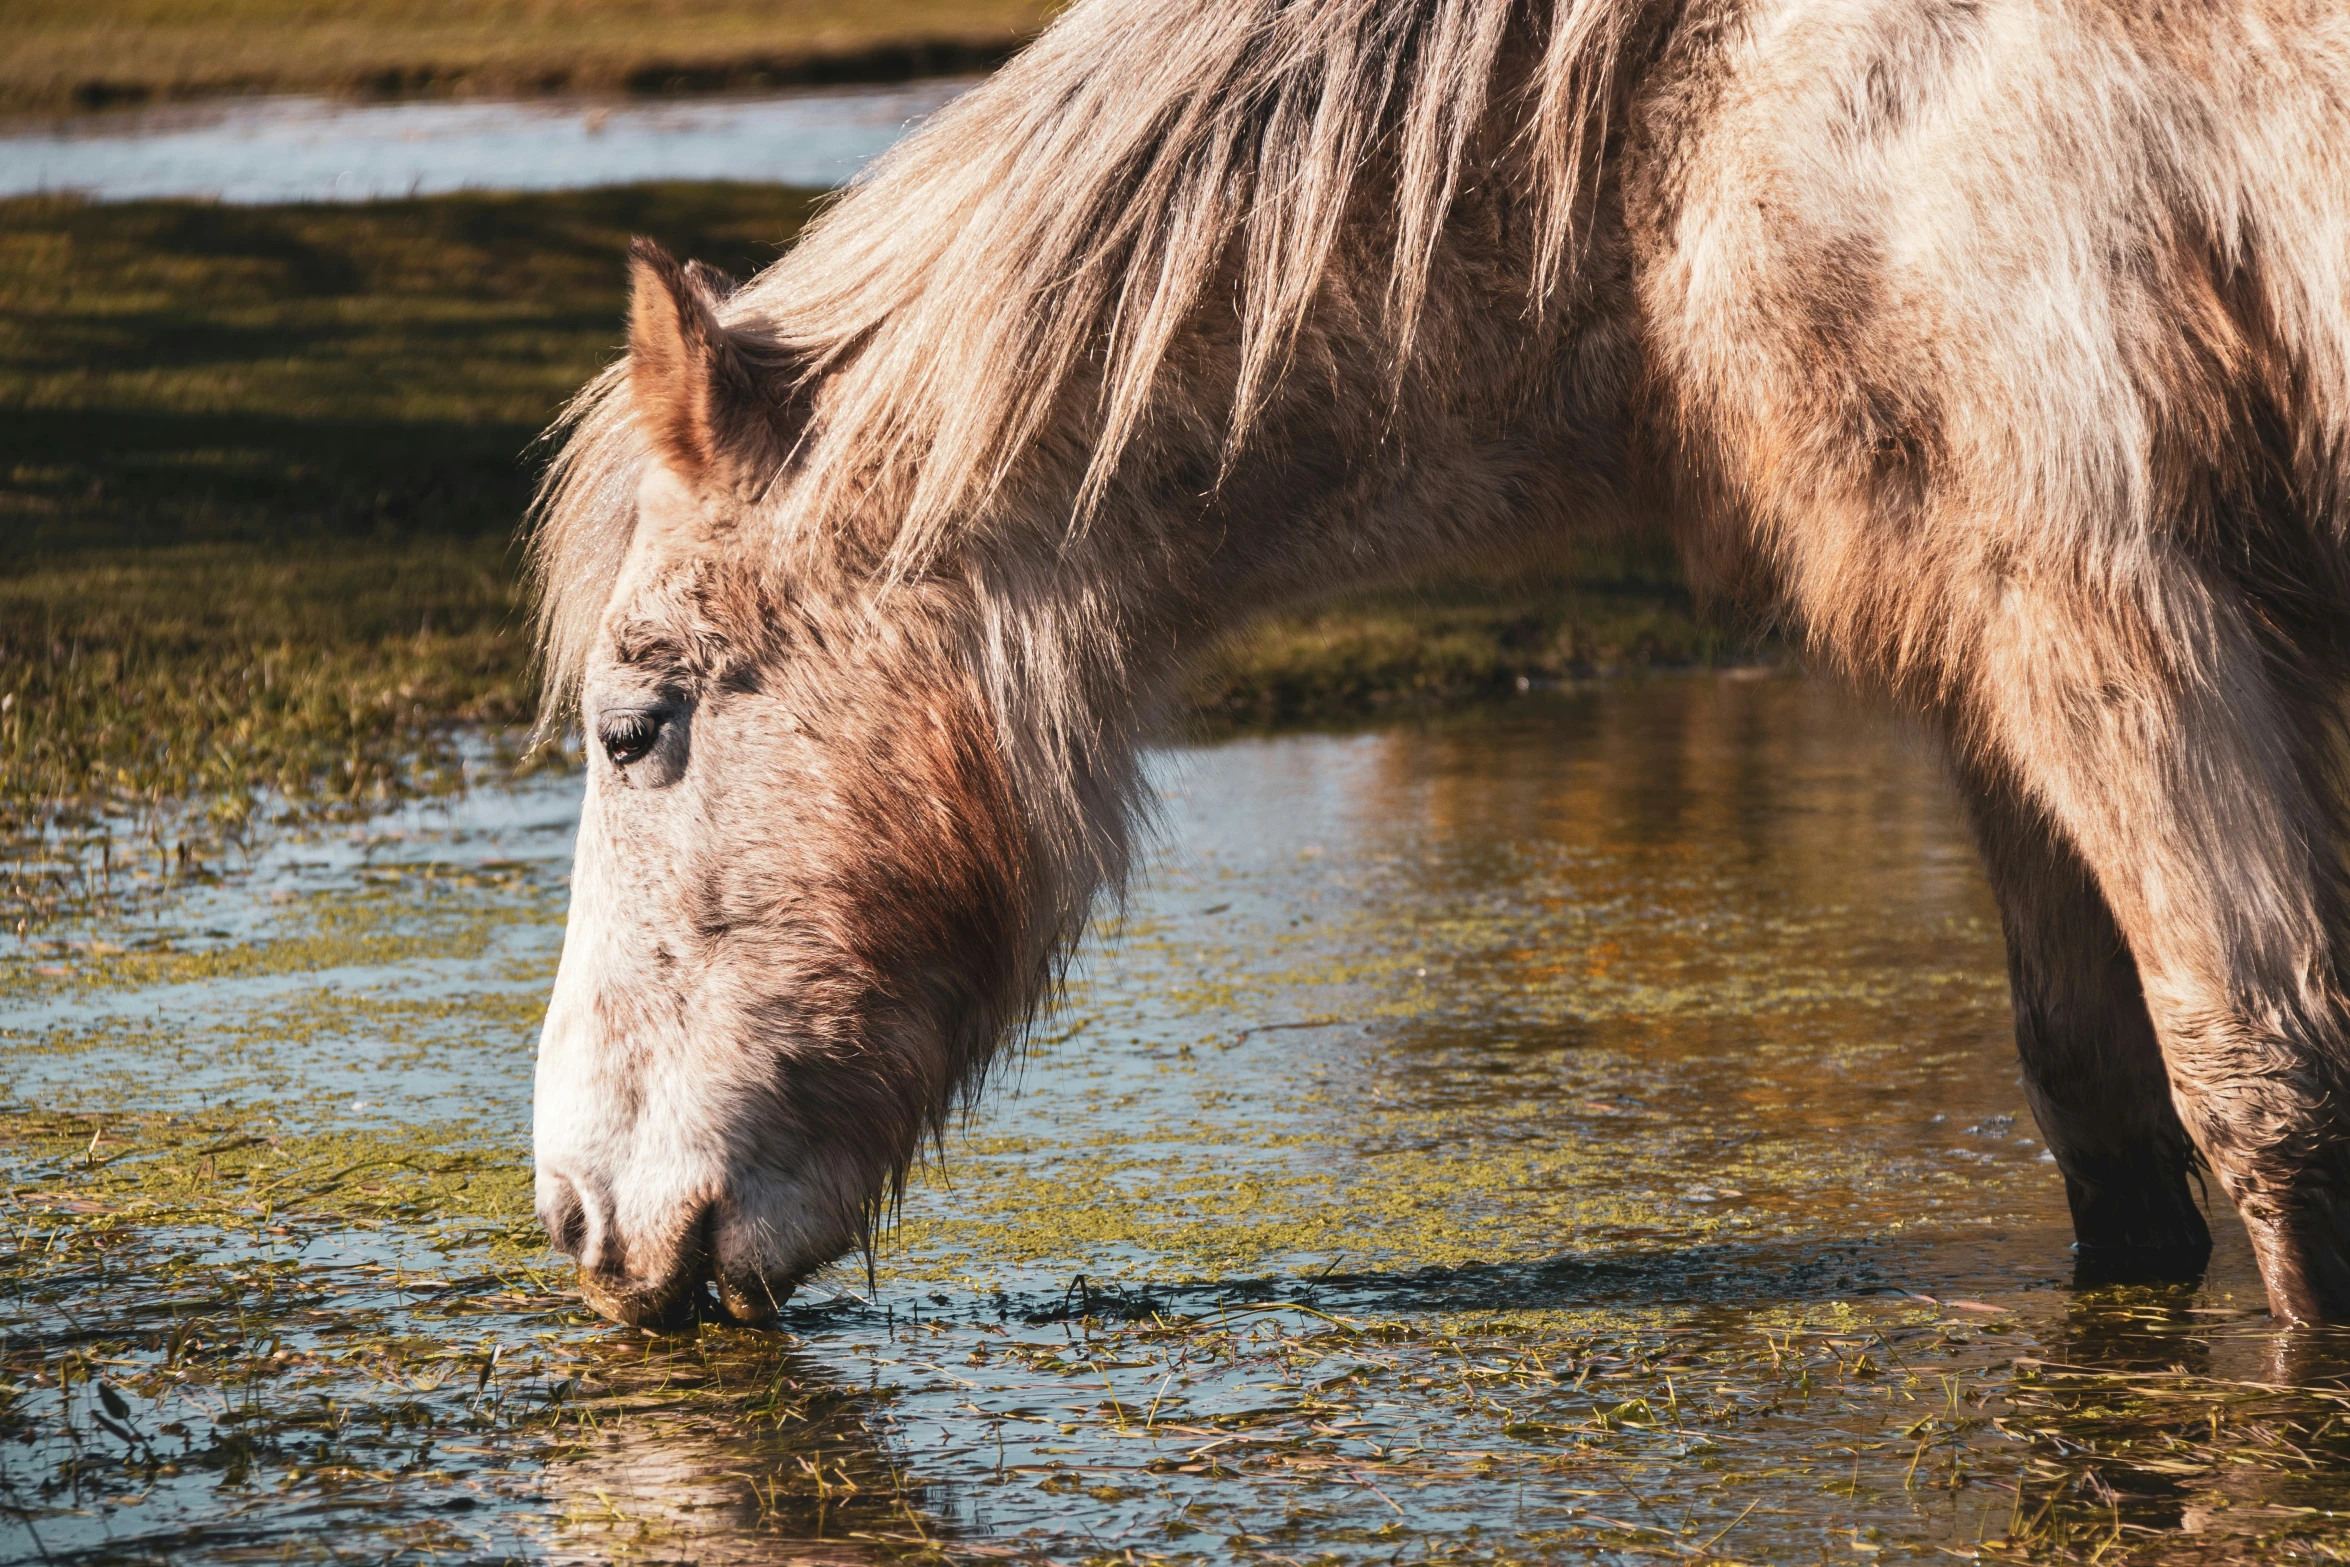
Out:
{"x": 261, "y": 150}
{"x": 1588, "y": 1126}
{"x": 1699, "y": 962}
{"x": 1712, "y": 915}
{"x": 730, "y": 1449}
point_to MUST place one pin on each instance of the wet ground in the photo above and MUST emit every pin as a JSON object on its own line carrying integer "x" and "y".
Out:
{"x": 1586, "y": 1128}
{"x": 261, "y": 150}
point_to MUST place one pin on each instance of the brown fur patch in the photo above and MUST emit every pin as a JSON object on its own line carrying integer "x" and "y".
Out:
{"x": 713, "y": 403}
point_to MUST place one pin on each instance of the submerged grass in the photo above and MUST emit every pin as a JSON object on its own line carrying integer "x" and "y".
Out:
{"x": 478, "y": 1411}
{"x": 1654, "y": 1278}
{"x": 230, "y": 1166}
{"x": 67, "y": 56}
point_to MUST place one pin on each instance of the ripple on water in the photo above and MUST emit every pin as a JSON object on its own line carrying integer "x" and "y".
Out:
{"x": 1587, "y": 1126}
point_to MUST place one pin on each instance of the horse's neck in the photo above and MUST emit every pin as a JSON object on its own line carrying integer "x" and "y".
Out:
{"x": 1489, "y": 452}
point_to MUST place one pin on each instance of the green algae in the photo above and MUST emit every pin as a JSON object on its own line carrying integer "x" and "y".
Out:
{"x": 240, "y": 1163}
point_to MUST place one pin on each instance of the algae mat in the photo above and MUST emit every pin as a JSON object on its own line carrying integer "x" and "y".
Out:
{"x": 1581, "y": 1129}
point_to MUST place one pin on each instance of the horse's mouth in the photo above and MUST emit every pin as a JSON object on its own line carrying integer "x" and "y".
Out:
{"x": 685, "y": 1301}
{"x": 702, "y": 1287}
{"x": 659, "y": 1308}
{"x": 754, "y": 1300}
{"x": 700, "y": 1283}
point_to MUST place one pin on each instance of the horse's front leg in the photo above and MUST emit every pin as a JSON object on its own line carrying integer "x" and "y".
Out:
{"x": 2092, "y": 1067}
{"x": 2146, "y": 721}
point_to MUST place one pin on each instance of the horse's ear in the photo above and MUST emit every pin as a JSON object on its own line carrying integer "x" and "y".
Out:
{"x": 700, "y": 390}
{"x": 711, "y": 281}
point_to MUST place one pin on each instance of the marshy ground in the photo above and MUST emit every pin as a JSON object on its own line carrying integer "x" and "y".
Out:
{"x": 1583, "y": 1127}
{"x": 1571, "y": 1124}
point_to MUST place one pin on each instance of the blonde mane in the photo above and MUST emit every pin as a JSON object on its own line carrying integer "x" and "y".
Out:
{"x": 1062, "y": 221}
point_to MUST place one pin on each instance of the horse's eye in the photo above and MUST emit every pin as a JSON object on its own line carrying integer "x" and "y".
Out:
{"x": 628, "y": 736}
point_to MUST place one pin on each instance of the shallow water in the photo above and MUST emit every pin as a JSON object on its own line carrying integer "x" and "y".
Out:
{"x": 1583, "y": 1128}
{"x": 261, "y": 150}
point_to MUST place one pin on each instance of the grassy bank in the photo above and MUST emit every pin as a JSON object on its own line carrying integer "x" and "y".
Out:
{"x": 182, "y": 372}
{"x": 134, "y": 680}
{"x": 64, "y": 56}
{"x": 260, "y": 471}
{"x": 1464, "y": 638}
{"x": 331, "y": 673}
{"x": 259, "y": 475}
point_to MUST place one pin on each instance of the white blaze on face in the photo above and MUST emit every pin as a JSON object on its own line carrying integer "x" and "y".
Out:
{"x": 662, "y": 1156}
{"x": 617, "y": 1182}
{"x": 802, "y": 895}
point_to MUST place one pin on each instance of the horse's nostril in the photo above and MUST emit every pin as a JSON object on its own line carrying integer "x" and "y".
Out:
{"x": 564, "y": 1217}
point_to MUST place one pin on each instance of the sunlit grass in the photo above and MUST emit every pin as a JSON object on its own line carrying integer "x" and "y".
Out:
{"x": 212, "y": 672}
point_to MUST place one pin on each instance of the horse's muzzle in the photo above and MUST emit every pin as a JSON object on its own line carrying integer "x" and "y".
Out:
{"x": 662, "y": 1286}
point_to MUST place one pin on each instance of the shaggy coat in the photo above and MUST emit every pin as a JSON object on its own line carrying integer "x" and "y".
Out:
{"x": 1995, "y": 347}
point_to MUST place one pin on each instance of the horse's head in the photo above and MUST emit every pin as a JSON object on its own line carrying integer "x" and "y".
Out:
{"x": 1174, "y": 321}
{"x": 805, "y": 905}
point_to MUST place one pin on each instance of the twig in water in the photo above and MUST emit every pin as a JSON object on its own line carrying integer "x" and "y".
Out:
{"x": 1153, "y": 1415}
{"x": 1726, "y": 1528}
{"x": 1374, "y": 1490}
{"x": 1274, "y": 1028}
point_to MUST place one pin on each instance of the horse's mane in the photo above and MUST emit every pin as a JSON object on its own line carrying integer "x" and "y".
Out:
{"x": 1070, "y": 214}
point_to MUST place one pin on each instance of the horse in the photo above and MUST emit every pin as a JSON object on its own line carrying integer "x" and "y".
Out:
{"x": 1994, "y": 349}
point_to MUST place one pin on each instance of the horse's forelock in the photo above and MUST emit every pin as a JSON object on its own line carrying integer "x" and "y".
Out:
{"x": 584, "y": 518}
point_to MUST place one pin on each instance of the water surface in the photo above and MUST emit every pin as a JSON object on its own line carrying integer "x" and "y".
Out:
{"x": 1583, "y": 1128}
{"x": 261, "y": 150}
